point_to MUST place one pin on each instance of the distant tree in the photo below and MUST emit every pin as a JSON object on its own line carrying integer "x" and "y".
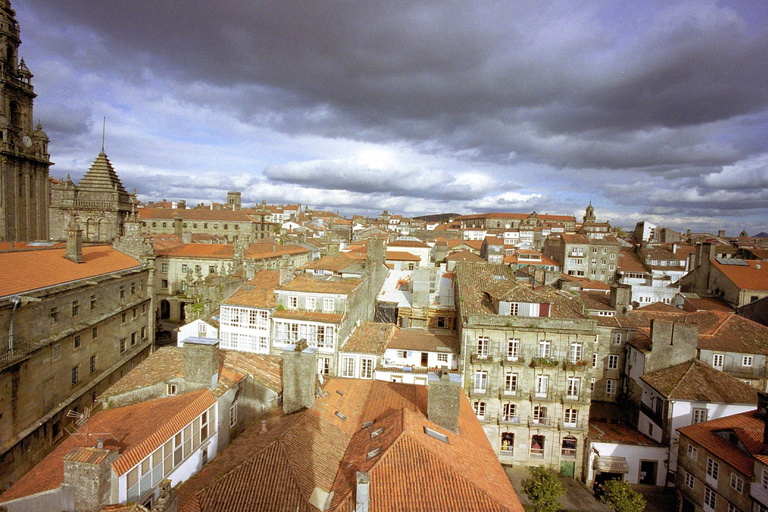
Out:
{"x": 543, "y": 488}
{"x": 620, "y": 497}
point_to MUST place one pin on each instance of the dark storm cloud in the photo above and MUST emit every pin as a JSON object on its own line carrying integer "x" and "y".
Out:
{"x": 493, "y": 77}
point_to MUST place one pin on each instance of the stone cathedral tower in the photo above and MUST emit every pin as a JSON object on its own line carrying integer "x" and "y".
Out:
{"x": 24, "y": 158}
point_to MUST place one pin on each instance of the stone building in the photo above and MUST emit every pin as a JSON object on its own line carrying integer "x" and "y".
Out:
{"x": 99, "y": 203}
{"x": 582, "y": 256}
{"x": 73, "y": 321}
{"x": 232, "y": 225}
{"x": 526, "y": 359}
{"x": 24, "y": 158}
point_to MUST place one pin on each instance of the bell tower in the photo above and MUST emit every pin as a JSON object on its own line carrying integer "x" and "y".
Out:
{"x": 24, "y": 158}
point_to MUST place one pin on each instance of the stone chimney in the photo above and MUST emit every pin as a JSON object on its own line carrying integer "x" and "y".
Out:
{"x": 74, "y": 242}
{"x": 286, "y": 270}
{"x": 332, "y": 247}
{"x": 201, "y": 363}
{"x": 186, "y": 237}
{"x": 672, "y": 343}
{"x": 87, "y": 475}
{"x": 233, "y": 200}
{"x": 362, "y": 494}
{"x": 299, "y": 376}
{"x": 377, "y": 253}
{"x": 178, "y": 224}
{"x": 181, "y": 204}
{"x": 167, "y": 499}
{"x": 443, "y": 401}
{"x": 721, "y": 233}
{"x": 621, "y": 297}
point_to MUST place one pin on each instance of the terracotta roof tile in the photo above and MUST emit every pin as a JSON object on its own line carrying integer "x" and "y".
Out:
{"x": 323, "y": 285}
{"x": 421, "y": 340}
{"x": 259, "y": 292}
{"x": 338, "y": 263}
{"x": 134, "y": 437}
{"x": 401, "y": 256}
{"x": 369, "y": 338}
{"x": 752, "y": 276}
{"x": 310, "y": 316}
{"x": 463, "y": 255}
{"x": 26, "y": 271}
{"x": 747, "y": 424}
{"x": 699, "y": 382}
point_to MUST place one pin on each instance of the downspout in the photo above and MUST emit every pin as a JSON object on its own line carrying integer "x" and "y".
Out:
{"x": 16, "y": 300}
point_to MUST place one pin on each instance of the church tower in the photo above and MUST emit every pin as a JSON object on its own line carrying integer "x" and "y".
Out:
{"x": 24, "y": 158}
{"x": 589, "y": 216}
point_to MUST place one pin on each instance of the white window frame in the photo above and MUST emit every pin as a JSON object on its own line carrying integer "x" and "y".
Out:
{"x": 293, "y": 302}
{"x": 310, "y": 304}
{"x": 482, "y": 346}
{"x": 542, "y": 385}
{"x": 717, "y": 361}
{"x": 479, "y": 408}
{"x": 710, "y": 499}
{"x": 610, "y": 386}
{"x": 613, "y": 362}
{"x": 233, "y": 414}
{"x": 572, "y": 387}
{"x": 713, "y": 471}
{"x": 513, "y": 349}
{"x": 737, "y": 483}
{"x": 747, "y": 361}
{"x": 348, "y": 367}
{"x": 545, "y": 348}
{"x": 570, "y": 417}
{"x": 690, "y": 480}
{"x": 329, "y": 305}
{"x": 692, "y": 452}
{"x": 481, "y": 381}
{"x": 366, "y": 368}
{"x": 698, "y": 415}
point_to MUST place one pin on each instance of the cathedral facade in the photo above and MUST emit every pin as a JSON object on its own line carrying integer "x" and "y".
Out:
{"x": 99, "y": 204}
{"x": 24, "y": 158}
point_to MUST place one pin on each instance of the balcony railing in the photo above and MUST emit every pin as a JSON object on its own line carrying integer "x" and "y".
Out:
{"x": 516, "y": 361}
{"x": 542, "y": 395}
{"x": 481, "y": 358}
{"x": 577, "y": 425}
{"x": 540, "y": 422}
{"x": 509, "y": 393}
{"x": 488, "y": 391}
{"x": 580, "y": 365}
{"x": 755, "y": 371}
{"x": 505, "y": 419}
{"x": 655, "y": 416}
{"x": 582, "y": 397}
{"x": 488, "y": 418}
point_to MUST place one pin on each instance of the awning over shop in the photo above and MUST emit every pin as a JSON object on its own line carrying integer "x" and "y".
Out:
{"x": 612, "y": 465}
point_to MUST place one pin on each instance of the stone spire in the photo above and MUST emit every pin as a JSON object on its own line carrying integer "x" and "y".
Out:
{"x": 589, "y": 215}
{"x": 102, "y": 176}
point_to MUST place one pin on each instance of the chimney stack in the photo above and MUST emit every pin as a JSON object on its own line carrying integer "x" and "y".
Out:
{"x": 201, "y": 362}
{"x": 362, "y": 494}
{"x": 299, "y": 376}
{"x": 87, "y": 476}
{"x": 74, "y": 242}
{"x": 621, "y": 297}
{"x": 443, "y": 401}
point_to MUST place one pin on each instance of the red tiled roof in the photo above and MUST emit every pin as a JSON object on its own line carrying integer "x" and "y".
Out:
{"x": 746, "y": 425}
{"x": 752, "y": 276}
{"x": 421, "y": 340}
{"x": 309, "y": 316}
{"x": 259, "y": 292}
{"x": 26, "y": 271}
{"x": 463, "y": 255}
{"x": 369, "y": 338}
{"x": 133, "y": 435}
{"x": 697, "y": 381}
{"x": 401, "y": 256}
{"x": 408, "y": 243}
{"x": 312, "y": 285}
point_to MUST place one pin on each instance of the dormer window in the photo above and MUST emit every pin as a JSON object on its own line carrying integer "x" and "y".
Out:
{"x": 171, "y": 389}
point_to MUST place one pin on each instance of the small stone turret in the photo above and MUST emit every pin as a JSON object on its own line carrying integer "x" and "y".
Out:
{"x": 74, "y": 242}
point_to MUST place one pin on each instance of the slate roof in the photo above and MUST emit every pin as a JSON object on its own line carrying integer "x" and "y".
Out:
{"x": 747, "y": 426}
{"x": 698, "y": 382}
{"x": 134, "y": 436}
{"x": 316, "y": 452}
{"x": 369, "y": 338}
{"x": 259, "y": 292}
{"x": 27, "y": 271}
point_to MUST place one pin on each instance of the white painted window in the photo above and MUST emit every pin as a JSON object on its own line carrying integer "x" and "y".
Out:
{"x": 329, "y": 304}
{"x": 510, "y": 382}
{"x": 509, "y": 412}
{"x": 542, "y": 385}
{"x": 572, "y": 389}
{"x": 575, "y": 352}
{"x": 613, "y": 362}
{"x": 616, "y": 338}
{"x": 570, "y": 417}
{"x": 699, "y": 416}
{"x": 693, "y": 452}
{"x": 233, "y": 414}
{"x": 442, "y": 358}
{"x": 737, "y": 483}
{"x": 481, "y": 381}
{"x": 310, "y": 303}
{"x": 348, "y": 367}
{"x": 479, "y": 408}
{"x": 690, "y": 480}
{"x": 513, "y": 349}
{"x": 746, "y": 361}
{"x": 610, "y": 386}
{"x": 482, "y": 346}
{"x": 717, "y": 361}
{"x": 713, "y": 468}
{"x": 545, "y": 348}
{"x": 366, "y": 368}
{"x": 539, "y": 414}
{"x": 323, "y": 365}
{"x": 293, "y": 302}
{"x": 710, "y": 499}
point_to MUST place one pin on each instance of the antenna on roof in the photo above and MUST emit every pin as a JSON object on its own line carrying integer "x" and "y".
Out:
{"x": 82, "y": 429}
{"x": 103, "y": 132}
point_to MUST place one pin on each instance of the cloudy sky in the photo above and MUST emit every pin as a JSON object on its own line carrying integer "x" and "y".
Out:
{"x": 652, "y": 110}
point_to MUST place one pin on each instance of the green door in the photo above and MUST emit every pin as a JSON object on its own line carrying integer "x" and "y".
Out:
{"x": 567, "y": 468}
